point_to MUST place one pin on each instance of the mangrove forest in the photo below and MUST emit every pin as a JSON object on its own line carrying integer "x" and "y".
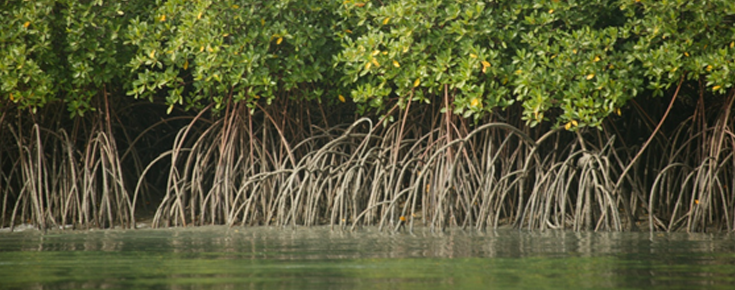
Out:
{"x": 604, "y": 115}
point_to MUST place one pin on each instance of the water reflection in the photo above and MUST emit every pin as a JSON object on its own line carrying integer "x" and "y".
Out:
{"x": 221, "y": 258}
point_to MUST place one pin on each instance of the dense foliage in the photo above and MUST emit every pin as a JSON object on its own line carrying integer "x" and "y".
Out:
{"x": 574, "y": 61}
{"x": 207, "y": 51}
{"x": 68, "y": 51}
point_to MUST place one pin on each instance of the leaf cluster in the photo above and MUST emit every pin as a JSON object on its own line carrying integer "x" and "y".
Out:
{"x": 210, "y": 51}
{"x": 569, "y": 62}
{"x": 68, "y": 51}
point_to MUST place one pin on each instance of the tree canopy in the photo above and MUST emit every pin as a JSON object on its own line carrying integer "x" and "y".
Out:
{"x": 572, "y": 63}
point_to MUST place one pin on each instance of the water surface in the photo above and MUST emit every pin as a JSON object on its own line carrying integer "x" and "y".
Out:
{"x": 317, "y": 258}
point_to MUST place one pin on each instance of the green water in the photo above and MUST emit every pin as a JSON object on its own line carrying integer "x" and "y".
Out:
{"x": 317, "y": 258}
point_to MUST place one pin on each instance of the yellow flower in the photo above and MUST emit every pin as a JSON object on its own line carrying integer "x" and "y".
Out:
{"x": 280, "y": 39}
{"x": 590, "y": 76}
{"x": 163, "y": 18}
{"x": 341, "y": 98}
{"x": 417, "y": 82}
{"x": 28, "y": 23}
{"x": 475, "y": 102}
{"x": 387, "y": 19}
{"x": 396, "y": 64}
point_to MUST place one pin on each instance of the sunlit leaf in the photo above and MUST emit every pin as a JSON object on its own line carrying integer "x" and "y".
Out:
{"x": 375, "y": 62}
